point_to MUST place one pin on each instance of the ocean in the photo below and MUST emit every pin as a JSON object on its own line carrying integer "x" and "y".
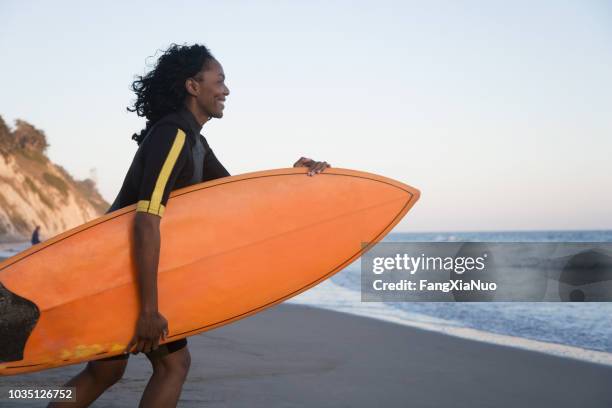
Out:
{"x": 578, "y": 330}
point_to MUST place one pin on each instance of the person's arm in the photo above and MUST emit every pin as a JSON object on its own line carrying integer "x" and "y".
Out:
{"x": 165, "y": 156}
{"x": 151, "y": 325}
{"x": 146, "y": 255}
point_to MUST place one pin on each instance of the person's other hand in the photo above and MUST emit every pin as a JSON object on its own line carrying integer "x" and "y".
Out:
{"x": 314, "y": 167}
{"x": 150, "y": 328}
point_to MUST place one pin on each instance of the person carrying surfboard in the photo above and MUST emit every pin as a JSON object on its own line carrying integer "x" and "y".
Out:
{"x": 185, "y": 89}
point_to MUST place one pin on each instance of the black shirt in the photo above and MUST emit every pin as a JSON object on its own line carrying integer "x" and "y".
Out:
{"x": 173, "y": 155}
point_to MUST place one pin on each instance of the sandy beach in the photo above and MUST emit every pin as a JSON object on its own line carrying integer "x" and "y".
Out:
{"x": 298, "y": 356}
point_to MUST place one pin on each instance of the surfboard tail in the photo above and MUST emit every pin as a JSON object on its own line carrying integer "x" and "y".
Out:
{"x": 18, "y": 316}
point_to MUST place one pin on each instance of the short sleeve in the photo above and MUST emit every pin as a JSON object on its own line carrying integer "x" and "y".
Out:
{"x": 165, "y": 156}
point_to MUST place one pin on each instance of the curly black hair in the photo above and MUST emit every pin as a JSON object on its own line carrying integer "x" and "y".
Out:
{"x": 162, "y": 90}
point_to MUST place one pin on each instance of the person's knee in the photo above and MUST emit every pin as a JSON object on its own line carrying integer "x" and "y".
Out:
{"x": 107, "y": 373}
{"x": 175, "y": 365}
{"x": 179, "y": 366}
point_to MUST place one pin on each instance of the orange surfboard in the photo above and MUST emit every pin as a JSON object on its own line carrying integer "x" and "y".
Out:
{"x": 229, "y": 248}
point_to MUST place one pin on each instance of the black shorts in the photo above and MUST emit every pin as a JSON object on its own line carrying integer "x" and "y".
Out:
{"x": 162, "y": 350}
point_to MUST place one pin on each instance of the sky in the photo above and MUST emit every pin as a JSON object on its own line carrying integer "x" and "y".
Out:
{"x": 499, "y": 112}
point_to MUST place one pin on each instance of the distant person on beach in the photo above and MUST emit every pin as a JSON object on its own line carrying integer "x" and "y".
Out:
{"x": 36, "y": 235}
{"x": 185, "y": 89}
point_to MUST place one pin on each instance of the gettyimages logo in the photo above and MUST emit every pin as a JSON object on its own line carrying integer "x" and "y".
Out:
{"x": 484, "y": 272}
{"x": 414, "y": 264}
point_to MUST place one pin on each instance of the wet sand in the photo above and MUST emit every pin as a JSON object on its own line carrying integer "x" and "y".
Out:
{"x": 297, "y": 356}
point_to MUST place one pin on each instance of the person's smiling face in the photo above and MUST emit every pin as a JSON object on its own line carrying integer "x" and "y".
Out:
{"x": 211, "y": 90}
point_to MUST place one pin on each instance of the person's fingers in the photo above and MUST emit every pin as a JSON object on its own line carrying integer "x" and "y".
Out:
{"x": 302, "y": 161}
{"x": 139, "y": 346}
{"x": 155, "y": 342}
{"x": 164, "y": 334}
{"x": 314, "y": 167}
{"x": 130, "y": 345}
{"x": 317, "y": 167}
{"x": 321, "y": 166}
{"x": 147, "y": 346}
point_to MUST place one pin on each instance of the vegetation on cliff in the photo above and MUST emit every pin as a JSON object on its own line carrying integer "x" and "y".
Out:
{"x": 35, "y": 191}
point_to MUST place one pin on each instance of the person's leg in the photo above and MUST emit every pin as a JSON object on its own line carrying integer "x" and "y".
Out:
{"x": 170, "y": 368}
{"x": 96, "y": 378}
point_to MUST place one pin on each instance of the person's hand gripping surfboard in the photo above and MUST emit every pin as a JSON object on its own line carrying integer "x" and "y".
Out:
{"x": 314, "y": 167}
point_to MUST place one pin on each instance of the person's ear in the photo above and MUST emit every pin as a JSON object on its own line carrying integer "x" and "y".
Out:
{"x": 192, "y": 86}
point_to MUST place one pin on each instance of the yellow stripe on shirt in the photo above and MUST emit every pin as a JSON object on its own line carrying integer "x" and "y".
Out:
{"x": 145, "y": 206}
{"x": 164, "y": 174}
